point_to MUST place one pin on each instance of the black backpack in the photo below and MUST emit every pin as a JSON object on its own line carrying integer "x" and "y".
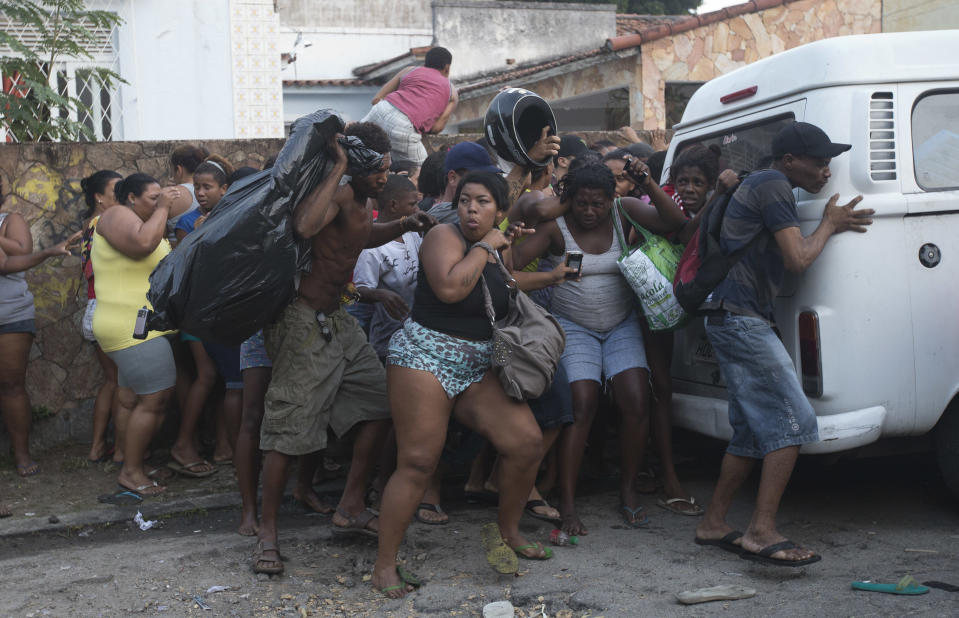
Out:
{"x": 703, "y": 265}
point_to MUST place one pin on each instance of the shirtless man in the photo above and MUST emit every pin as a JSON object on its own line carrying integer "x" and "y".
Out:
{"x": 325, "y": 373}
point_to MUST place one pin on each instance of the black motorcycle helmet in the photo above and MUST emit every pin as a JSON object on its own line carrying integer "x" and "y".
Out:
{"x": 514, "y": 121}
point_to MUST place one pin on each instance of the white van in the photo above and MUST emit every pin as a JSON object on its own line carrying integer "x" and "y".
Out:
{"x": 873, "y": 324}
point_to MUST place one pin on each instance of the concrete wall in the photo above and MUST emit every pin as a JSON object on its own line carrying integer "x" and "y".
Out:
{"x": 344, "y": 34}
{"x": 351, "y": 102}
{"x": 42, "y": 183}
{"x": 355, "y": 14}
{"x": 910, "y": 15}
{"x": 482, "y": 35}
{"x": 704, "y": 53}
{"x": 176, "y": 56}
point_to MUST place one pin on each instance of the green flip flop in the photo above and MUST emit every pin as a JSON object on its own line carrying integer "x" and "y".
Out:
{"x": 407, "y": 577}
{"x": 498, "y": 553}
{"x": 547, "y": 551}
{"x": 906, "y": 585}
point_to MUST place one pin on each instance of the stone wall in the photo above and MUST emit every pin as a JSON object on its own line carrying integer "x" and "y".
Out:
{"x": 42, "y": 183}
{"x": 704, "y": 53}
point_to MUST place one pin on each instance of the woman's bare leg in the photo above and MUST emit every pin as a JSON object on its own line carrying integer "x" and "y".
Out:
{"x": 421, "y": 411}
{"x": 511, "y": 429}
{"x": 103, "y": 405}
{"x": 14, "y": 403}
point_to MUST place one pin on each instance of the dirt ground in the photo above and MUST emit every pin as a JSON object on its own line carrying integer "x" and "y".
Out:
{"x": 871, "y": 519}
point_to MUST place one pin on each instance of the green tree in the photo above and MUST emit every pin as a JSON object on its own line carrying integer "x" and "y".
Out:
{"x": 33, "y": 109}
{"x": 643, "y": 7}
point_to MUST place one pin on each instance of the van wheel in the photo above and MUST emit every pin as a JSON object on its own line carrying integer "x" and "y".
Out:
{"x": 947, "y": 447}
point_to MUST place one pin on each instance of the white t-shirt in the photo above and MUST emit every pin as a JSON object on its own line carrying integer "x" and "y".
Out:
{"x": 393, "y": 267}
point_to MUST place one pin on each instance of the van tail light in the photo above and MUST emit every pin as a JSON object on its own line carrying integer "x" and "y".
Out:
{"x": 810, "y": 353}
{"x": 739, "y": 95}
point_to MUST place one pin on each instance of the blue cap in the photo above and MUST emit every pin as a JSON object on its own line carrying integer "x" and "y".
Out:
{"x": 469, "y": 156}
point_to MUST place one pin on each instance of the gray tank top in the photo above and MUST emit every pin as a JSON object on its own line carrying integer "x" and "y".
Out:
{"x": 16, "y": 301}
{"x": 603, "y": 298}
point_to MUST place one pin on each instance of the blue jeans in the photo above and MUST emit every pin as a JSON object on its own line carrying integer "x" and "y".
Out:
{"x": 767, "y": 407}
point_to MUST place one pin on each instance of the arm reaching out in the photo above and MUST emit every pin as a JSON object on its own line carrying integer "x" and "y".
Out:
{"x": 10, "y": 264}
{"x": 799, "y": 251}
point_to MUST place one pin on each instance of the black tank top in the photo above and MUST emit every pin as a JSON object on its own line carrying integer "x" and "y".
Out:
{"x": 467, "y": 318}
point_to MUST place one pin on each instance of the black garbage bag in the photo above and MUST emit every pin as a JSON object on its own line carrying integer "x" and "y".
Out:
{"x": 235, "y": 273}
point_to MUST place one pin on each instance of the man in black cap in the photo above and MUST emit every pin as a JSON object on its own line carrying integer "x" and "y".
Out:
{"x": 462, "y": 158}
{"x": 769, "y": 413}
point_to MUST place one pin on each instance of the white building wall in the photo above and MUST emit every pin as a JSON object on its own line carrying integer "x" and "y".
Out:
{"x": 176, "y": 56}
{"x": 333, "y": 53}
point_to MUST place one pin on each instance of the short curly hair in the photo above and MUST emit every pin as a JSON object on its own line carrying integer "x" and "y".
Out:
{"x": 698, "y": 156}
{"x": 591, "y": 176}
{"x": 372, "y": 136}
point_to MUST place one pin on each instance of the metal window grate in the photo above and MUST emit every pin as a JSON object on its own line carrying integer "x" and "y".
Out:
{"x": 882, "y": 136}
{"x": 71, "y": 76}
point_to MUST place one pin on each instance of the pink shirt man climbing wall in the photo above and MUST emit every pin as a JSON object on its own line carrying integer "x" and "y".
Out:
{"x": 416, "y": 100}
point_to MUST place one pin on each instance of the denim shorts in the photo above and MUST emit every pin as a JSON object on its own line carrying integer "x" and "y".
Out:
{"x": 253, "y": 353}
{"x": 23, "y": 326}
{"x": 227, "y": 361}
{"x": 590, "y": 355}
{"x": 767, "y": 407}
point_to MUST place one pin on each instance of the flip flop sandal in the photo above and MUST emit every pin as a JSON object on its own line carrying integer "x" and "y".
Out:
{"x": 726, "y": 543}
{"x": 631, "y": 516}
{"x": 547, "y": 552}
{"x": 187, "y": 469}
{"x": 261, "y": 548}
{"x": 121, "y": 498}
{"x": 498, "y": 553}
{"x": 426, "y": 506}
{"x": 157, "y": 474}
{"x": 668, "y": 505}
{"x": 726, "y": 592}
{"x": 356, "y": 525}
{"x": 906, "y": 585}
{"x": 534, "y": 504}
{"x": 407, "y": 577}
{"x": 149, "y": 490}
{"x": 765, "y": 555}
{"x": 22, "y": 471}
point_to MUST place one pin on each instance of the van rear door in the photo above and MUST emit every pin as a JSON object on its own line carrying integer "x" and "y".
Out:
{"x": 745, "y": 143}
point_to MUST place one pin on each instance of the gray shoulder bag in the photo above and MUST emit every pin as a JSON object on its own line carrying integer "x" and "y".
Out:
{"x": 527, "y": 343}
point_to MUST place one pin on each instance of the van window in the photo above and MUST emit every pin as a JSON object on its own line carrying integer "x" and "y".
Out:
{"x": 935, "y": 141}
{"x": 745, "y": 148}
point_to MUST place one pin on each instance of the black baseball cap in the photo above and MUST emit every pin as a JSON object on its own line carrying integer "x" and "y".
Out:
{"x": 571, "y": 145}
{"x": 802, "y": 138}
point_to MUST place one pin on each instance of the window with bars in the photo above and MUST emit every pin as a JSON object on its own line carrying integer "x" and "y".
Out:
{"x": 73, "y": 78}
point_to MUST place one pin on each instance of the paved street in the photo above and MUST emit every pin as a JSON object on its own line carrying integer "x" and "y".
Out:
{"x": 871, "y": 519}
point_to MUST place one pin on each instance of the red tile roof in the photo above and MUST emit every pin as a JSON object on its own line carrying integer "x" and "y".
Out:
{"x": 628, "y": 23}
{"x": 654, "y": 30}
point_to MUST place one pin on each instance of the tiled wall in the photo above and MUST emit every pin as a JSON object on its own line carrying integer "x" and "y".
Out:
{"x": 257, "y": 85}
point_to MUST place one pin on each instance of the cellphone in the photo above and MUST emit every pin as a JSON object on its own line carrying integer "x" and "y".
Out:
{"x": 140, "y": 326}
{"x": 641, "y": 178}
{"x": 574, "y": 259}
